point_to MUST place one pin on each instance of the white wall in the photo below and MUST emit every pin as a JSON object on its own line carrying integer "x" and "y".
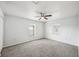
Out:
{"x": 16, "y": 30}
{"x": 67, "y": 30}
{"x": 1, "y": 30}
{"x": 78, "y": 35}
{"x": 1, "y": 34}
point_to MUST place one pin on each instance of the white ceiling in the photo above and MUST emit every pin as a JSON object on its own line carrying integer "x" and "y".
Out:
{"x": 27, "y": 9}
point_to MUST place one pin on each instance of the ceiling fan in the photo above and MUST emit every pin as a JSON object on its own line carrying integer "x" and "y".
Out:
{"x": 44, "y": 16}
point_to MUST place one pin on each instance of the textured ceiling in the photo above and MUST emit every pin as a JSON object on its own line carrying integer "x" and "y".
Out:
{"x": 27, "y": 9}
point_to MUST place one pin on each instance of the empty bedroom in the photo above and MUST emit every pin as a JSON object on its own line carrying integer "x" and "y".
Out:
{"x": 39, "y": 28}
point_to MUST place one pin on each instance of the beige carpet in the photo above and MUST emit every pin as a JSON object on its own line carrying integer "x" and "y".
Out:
{"x": 41, "y": 48}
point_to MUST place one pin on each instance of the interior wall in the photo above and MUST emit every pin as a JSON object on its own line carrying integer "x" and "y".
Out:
{"x": 1, "y": 34}
{"x": 1, "y": 30}
{"x": 78, "y": 35}
{"x": 67, "y": 30}
{"x": 16, "y": 30}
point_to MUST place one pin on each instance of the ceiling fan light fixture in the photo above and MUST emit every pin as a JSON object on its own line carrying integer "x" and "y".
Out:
{"x": 43, "y": 18}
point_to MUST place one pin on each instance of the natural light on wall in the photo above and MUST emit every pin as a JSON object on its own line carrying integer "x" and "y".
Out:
{"x": 31, "y": 28}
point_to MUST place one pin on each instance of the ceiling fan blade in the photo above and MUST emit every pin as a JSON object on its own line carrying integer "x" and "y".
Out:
{"x": 48, "y": 15}
{"x": 45, "y": 18}
{"x": 39, "y": 18}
